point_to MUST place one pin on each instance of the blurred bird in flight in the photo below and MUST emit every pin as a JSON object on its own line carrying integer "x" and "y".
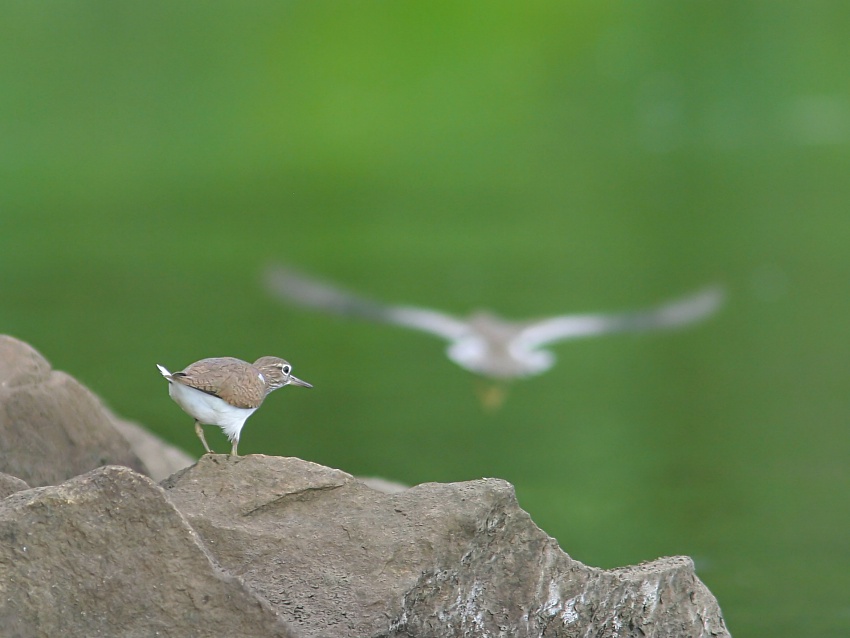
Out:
{"x": 483, "y": 343}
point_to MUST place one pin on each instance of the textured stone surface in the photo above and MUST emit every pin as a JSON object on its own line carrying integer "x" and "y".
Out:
{"x": 51, "y": 427}
{"x": 10, "y": 484}
{"x": 106, "y": 554}
{"x": 336, "y": 558}
{"x": 159, "y": 457}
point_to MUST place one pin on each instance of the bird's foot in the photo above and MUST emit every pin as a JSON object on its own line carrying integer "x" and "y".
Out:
{"x": 491, "y": 396}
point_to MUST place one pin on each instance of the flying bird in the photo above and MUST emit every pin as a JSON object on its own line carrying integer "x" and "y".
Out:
{"x": 484, "y": 343}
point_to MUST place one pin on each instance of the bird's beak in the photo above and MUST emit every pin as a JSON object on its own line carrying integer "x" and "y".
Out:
{"x": 297, "y": 381}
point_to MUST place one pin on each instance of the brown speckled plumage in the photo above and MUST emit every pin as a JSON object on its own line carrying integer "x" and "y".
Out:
{"x": 225, "y": 391}
{"x": 235, "y": 381}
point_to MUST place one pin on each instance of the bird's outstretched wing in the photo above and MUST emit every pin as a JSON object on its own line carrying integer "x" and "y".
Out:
{"x": 288, "y": 285}
{"x": 674, "y": 314}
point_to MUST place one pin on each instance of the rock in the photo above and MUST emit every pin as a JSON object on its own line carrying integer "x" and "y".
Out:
{"x": 106, "y": 554}
{"x": 20, "y": 364}
{"x": 10, "y": 484}
{"x": 159, "y": 457}
{"x": 383, "y": 485}
{"x": 336, "y": 558}
{"x": 51, "y": 427}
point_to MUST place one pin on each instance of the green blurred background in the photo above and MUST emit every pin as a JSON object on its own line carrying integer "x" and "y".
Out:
{"x": 532, "y": 158}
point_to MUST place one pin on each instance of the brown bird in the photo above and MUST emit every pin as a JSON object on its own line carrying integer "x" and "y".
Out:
{"x": 225, "y": 391}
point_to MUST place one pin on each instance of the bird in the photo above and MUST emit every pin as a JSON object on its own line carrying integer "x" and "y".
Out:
{"x": 225, "y": 391}
{"x": 485, "y": 343}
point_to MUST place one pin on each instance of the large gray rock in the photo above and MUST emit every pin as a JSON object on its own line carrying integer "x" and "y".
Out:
{"x": 336, "y": 558}
{"x": 160, "y": 457}
{"x": 106, "y": 554}
{"x": 51, "y": 427}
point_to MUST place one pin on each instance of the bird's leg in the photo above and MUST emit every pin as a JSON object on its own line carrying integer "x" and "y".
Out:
{"x": 491, "y": 395}
{"x": 200, "y": 432}
{"x": 235, "y": 444}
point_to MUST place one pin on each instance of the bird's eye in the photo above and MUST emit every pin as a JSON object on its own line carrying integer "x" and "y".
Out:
{"x": 286, "y": 369}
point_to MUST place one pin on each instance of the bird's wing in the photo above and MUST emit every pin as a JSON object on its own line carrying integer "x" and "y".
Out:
{"x": 674, "y": 314}
{"x": 220, "y": 377}
{"x": 289, "y": 285}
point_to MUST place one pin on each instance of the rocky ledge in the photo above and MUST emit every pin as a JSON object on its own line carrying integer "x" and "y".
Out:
{"x": 270, "y": 546}
{"x": 53, "y": 428}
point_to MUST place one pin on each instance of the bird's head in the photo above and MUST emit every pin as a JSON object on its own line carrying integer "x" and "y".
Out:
{"x": 278, "y": 373}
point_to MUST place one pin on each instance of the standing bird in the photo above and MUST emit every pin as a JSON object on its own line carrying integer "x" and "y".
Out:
{"x": 225, "y": 391}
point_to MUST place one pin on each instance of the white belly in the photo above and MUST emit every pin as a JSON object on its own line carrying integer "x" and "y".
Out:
{"x": 210, "y": 410}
